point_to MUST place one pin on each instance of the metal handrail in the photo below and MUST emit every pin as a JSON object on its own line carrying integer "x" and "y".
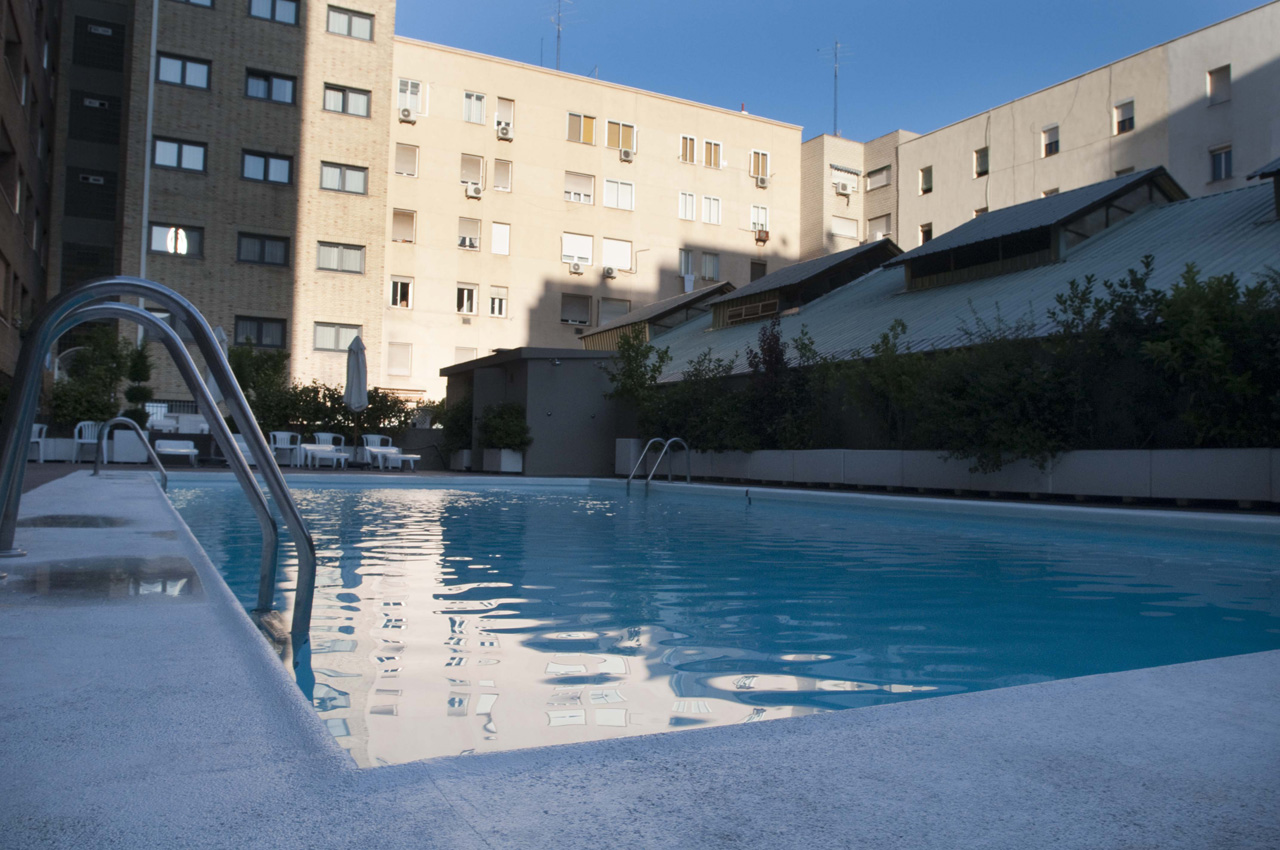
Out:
{"x": 101, "y": 454}
{"x": 19, "y": 413}
{"x": 688, "y": 462}
{"x": 643, "y": 455}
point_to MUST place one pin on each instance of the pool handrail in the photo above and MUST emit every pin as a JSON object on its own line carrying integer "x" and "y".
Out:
{"x": 688, "y": 462}
{"x": 643, "y": 455}
{"x": 101, "y": 453}
{"x": 19, "y": 413}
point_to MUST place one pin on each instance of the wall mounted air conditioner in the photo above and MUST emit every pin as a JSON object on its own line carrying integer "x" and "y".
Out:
{"x": 575, "y": 268}
{"x": 406, "y": 116}
{"x": 762, "y": 182}
{"x": 762, "y": 236}
{"x": 473, "y": 190}
{"x": 610, "y": 271}
{"x": 505, "y": 132}
{"x": 843, "y": 189}
{"x": 626, "y": 155}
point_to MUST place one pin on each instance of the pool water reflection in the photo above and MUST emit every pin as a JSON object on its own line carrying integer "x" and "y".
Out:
{"x": 451, "y": 621}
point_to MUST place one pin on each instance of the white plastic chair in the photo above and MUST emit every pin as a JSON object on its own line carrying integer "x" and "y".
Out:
{"x": 186, "y": 448}
{"x": 372, "y": 446}
{"x": 86, "y": 434}
{"x": 328, "y": 446}
{"x": 192, "y": 423}
{"x": 37, "y": 437}
{"x": 289, "y": 442}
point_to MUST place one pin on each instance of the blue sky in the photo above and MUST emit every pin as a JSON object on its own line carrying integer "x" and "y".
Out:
{"x": 915, "y": 66}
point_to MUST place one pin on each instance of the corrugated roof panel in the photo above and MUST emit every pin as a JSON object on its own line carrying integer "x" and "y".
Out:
{"x": 1231, "y": 232}
{"x": 1272, "y": 167}
{"x": 658, "y": 308}
{"x": 798, "y": 272}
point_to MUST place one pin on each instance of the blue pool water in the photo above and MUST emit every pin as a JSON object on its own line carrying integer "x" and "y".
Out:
{"x": 451, "y": 621}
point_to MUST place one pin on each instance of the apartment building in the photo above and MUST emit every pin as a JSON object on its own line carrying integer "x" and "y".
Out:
{"x": 529, "y": 206}
{"x": 30, "y": 32}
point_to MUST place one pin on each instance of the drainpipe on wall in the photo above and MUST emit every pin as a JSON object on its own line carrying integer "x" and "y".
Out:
{"x": 146, "y": 157}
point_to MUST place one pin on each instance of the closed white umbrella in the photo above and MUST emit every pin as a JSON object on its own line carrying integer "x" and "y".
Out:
{"x": 357, "y": 392}
{"x": 221, "y": 337}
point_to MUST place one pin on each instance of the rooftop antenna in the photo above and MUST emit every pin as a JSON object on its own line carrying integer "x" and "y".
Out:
{"x": 559, "y": 28}
{"x": 835, "y": 97}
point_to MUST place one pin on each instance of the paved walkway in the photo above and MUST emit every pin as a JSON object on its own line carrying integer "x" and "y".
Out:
{"x": 163, "y": 720}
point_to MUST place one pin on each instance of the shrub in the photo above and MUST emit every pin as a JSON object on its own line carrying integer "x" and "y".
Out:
{"x": 456, "y": 419}
{"x": 634, "y": 373}
{"x": 503, "y": 426}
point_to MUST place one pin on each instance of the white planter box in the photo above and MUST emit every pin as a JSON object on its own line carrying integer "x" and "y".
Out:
{"x": 59, "y": 448}
{"x": 819, "y": 466}
{"x": 1236, "y": 474}
{"x": 1103, "y": 473}
{"x": 873, "y": 468}
{"x": 460, "y": 461}
{"x": 503, "y": 460}
{"x": 626, "y": 451}
{"x": 931, "y": 471}
{"x": 771, "y": 465}
{"x": 127, "y": 448}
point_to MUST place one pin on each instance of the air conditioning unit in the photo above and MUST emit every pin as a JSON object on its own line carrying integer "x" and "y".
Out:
{"x": 575, "y": 268}
{"x": 762, "y": 236}
{"x": 626, "y": 155}
{"x": 843, "y": 189}
{"x": 406, "y": 115}
{"x": 610, "y": 271}
{"x": 762, "y": 182}
{"x": 505, "y": 132}
{"x": 473, "y": 190}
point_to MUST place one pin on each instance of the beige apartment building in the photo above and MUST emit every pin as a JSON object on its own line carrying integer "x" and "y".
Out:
{"x": 529, "y": 206}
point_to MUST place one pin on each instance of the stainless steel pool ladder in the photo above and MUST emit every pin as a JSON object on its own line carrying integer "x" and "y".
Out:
{"x": 89, "y": 302}
{"x": 666, "y": 444}
{"x": 100, "y": 456}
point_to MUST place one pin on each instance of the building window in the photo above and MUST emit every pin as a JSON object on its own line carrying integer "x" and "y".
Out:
{"x": 688, "y": 202}
{"x": 1049, "y": 192}
{"x": 575, "y": 309}
{"x": 281, "y": 11}
{"x": 180, "y": 71}
{"x": 619, "y": 135}
{"x": 688, "y": 149}
{"x": 879, "y": 177}
{"x": 332, "y": 337}
{"x": 403, "y": 225}
{"x": 759, "y": 164}
{"x": 262, "y": 333}
{"x": 471, "y": 170}
{"x": 505, "y": 115}
{"x": 579, "y": 188}
{"x": 1124, "y": 117}
{"x": 473, "y": 107}
{"x": 184, "y": 156}
{"x": 758, "y": 270}
{"x": 464, "y": 355}
{"x": 498, "y": 302}
{"x": 1219, "y": 85}
{"x": 613, "y": 308}
{"x": 979, "y": 211}
{"x": 410, "y": 96}
{"x": 349, "y": 101}
{"x": 400, "y": 359}
{"x": 466, "y": 300}
{"x": 926, "y": 180}
{"x": 575, "y": 248}
{"x": 582, "y": 128}
{"x": 710, "y": 209}
{"x": 926, "y": 232}
{"x": 616, "y": 253}
{"x": 266, "y": 167}
{"x": 469, "y": 234}
{"x": 406, "y": 160}
{"x": 710, "y": 266}
{"x": 344, "y": 178}
{"x": 348, "y": 23}
{"x": 502, "y": 175}
{"x": 330, "y": 256}
{"x": 1220, "y": 163}
{"x": 501, "y": 241}
{"x": 846, "y": 228}
{"x": 262, "y": 85}
{"x": 880, "y": 227}
{"x": 1049, "y": 138}
{"x": 402, "y": 293}
{"x": 173, "y": 239}
{"x": 268, "y": 250}
{"x": 981, "y": 162}
{"x": 208, "y": 4}
{"x": 710, "y": 153}
{"x": 759, "y": 218}
{"x": 619, "y": 194}
{"x": 686, "y": 261}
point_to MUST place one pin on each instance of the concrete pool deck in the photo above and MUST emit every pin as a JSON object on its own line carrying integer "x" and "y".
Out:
{"x": 158, "y": 721}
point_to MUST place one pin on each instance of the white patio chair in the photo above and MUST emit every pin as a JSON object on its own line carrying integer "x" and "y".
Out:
{"x": 371, "y": 446}
{"x": 37, "y": 437}
{"x": 289, "y": 442}
{"x": 327, "y": 446}
{"x": 185, "y": 448}
{"x": 192, "y": 423}
{"x": 396, "y": 458}
{"x": 86, "y": 434}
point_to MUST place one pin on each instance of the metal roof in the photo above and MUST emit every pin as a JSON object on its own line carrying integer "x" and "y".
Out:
{"x": 1271, "y": 169}
{"x": 800, "y": 272}
{"x": 1232, "y": 231}
{"x": 1019, "y": 218}
{"x": 658, "y": 309}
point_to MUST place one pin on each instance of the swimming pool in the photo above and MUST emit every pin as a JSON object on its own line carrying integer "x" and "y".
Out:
{"x": 453, "y": 618}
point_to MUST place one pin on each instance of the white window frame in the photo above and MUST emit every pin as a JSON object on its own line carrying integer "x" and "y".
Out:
{"x": 511, "y": 175}
{"x": 582, "y": 123}
{"x": 397, "y": 282}
{"x": 463, "y": 180}
{"x": 711, "y": 209}
{"x": 615, "y": 187}
{"x": 922, "y": 188}
{"x": 635, "y": 135}
{"x": 1228, "y": 171}
{"x": 473, "y": 107}
{"x": 879, "y": 177}
{"x": 708, "y": 263}
{"x": 719, "y": 149}
{"x": 631, "y": 253}
{"x": 693, "y": 140}
{"x": 687, "y": 202}
{"x": 413, "y": 217}
{"x": 764, "y": 161}
{"x": 563, "y": 320}
{"x": 1118, "y": 116}
{"x": 498, "y": 298}
{"x": 396, "y": 162}
{"x": 408, "y": 97}
{"x": 987, "y": 171}
{"x": 465, "y": 299}
{"x": 496, "y": 242}
{"x": 568, "y": 258}
{"x": 1045, "y": 141}
{"x": 759, "y": 217}
{"x": 579, "y": 197}
{"x": 465, "y": 246}
{"x": 408, "y": 371}
{"x": 497, "y": 113}
{"x": 686, "y": 262}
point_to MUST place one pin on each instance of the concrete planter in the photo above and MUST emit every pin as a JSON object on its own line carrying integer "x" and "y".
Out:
{"x": 819, "y": 466}
{"x": 730, "y": 464}
{"x": 1104, "y": 473}
{"x": 626, "y": 451}
{"x": 460, "y": 461}
{"x": 503, "y": 460}
{"x": 873, "y": 468}
{"x": 60, "y": 448}
{"x": 930, "y": 471}
{"x": 127, "y": 448}
{"x": 1241, "y": 474}
{"x": 772, "y": 465}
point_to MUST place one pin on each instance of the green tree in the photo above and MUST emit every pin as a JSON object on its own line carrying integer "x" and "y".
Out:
{"x": 634, "y": 373}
